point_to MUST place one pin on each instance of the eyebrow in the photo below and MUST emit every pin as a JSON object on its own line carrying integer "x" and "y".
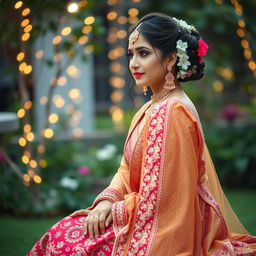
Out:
{"x": 140, "y": 48}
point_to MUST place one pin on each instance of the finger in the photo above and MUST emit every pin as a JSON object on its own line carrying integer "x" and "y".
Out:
{"x": 102, "y": 222}
{"x": 109, "y": 220}
{"x": 85, "y": 225}
{"x": 79, "y": 213}
{"x": 90, "y": 227}
{"x": 96, "y": 226}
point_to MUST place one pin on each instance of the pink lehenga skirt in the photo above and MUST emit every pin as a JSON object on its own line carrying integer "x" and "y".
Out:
{"x": 66, "y": 238}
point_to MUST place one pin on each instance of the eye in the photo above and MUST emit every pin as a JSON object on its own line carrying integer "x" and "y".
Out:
{"x": 143, "y": 53}
{"x": 129, "y": 55}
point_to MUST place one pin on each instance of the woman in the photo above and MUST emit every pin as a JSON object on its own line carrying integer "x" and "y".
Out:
{"x": 165, "y": 198}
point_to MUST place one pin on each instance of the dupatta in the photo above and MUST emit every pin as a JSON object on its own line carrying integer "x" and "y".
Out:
{"x": 179, "y": 208}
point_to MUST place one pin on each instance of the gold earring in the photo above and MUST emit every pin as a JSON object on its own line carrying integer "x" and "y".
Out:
{"x": 145, "y": 89}
{"x": 169, "y": 84}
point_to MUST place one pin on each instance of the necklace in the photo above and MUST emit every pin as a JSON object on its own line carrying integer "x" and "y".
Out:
{"x": 158, "y": 97}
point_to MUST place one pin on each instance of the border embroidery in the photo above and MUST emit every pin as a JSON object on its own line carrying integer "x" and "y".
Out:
{"x": 146, "y": 216}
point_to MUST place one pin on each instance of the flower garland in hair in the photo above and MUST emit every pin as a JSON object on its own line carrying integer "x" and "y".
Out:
{"x": 185, "y": 25}
{"x": 181, "y": 47}
{"x": 184, "y": 62}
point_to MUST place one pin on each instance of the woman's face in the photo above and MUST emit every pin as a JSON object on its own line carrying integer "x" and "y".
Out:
{"x": 146, "y": 64}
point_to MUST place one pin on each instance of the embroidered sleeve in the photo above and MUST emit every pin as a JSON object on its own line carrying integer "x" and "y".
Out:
{"x": 108, "y": 194}
{"x": 119, "y": 214}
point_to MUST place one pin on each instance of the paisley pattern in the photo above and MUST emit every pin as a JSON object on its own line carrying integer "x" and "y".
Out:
{"x": 66, "y": 238}
{"x": 146, "y": 217}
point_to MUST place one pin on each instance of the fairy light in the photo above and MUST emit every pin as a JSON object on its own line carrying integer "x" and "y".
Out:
{"x": 33, "y": 163}
{"x": 66, "y": 31}
{"x": 41, "y": 149}
{"x": 56, "y": 40}
{"x": 37, "y": 179}
{"x": 48, "y": 133}
{"x": 62, "y": 81}
{"x": 112, "y": 15}
{"x": 25, "y": 68}
{"x": 25, "y": 22}
{"x": 25, "y": 159}
{"x": 72, "y": 7}
{"x": 53, "y": 118}
{"x": 87, "y": 29}
{"x": 83, "y": 40}
{"x": 43, "y": 163}
{"x": 25, "y": 12}
{"x": 18, "y": 4}
{"x": 39, "y": 54}
{"x": 89, "y": 20}
{"x": 244, "y": 35}
{"x": 28, "y": 28}
{"x": 21, "y": 113}
{"x": 218, "y": 86}
{"x": 22, "y": 142}
{"x": 20, "y": 56}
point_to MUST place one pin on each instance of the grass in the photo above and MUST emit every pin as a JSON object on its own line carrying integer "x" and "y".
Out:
{"x": 18, "y": 235}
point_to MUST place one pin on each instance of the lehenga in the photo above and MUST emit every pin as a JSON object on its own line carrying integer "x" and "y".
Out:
{"x": 166, "y": 196}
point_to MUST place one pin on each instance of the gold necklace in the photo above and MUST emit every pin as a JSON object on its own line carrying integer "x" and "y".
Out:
{"x": 158, "y": 97}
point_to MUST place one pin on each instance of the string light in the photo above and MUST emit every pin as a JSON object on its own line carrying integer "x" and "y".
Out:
{"x": 89, "y": 20}
{"x": 72, "y": 7}
{"x": 244, "y": 35}
{"x": 25, "y": 69}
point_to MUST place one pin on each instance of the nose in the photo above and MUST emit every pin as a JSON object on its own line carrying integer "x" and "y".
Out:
{"x": 134, "y": 64}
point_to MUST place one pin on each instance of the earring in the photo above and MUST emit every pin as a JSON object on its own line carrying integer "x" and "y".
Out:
{"x": 145, "y": 89}
{"x": 169, "y": 81}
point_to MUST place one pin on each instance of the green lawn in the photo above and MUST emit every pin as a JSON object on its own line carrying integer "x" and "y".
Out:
{"x": 17, "y": 234}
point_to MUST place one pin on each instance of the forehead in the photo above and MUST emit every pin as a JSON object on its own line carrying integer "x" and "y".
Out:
{"x": 140, "y": 42}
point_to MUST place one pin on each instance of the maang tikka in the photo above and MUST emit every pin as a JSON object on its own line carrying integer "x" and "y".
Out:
{"x": 132, "y": 39}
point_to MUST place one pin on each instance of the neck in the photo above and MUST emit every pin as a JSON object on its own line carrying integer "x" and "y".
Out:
{"x": 158, "y": 88}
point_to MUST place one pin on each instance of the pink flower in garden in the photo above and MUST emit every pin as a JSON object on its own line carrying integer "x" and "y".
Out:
{"x": 83, "y": 170}
{"x": 231, "y": 112}
{"x": 202, "y": 49}
{"x": 2, "y": 159}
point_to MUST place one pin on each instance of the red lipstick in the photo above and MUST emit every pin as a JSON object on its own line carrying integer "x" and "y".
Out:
{"x": 137, "y": 75}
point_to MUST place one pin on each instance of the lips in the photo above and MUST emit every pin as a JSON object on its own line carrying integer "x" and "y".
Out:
{"x": 138, "y": 74}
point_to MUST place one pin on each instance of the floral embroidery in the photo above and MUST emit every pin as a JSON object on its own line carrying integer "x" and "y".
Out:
{"x": 146, "y": 216}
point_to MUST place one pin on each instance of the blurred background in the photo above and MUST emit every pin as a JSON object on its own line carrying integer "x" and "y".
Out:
{"x": 67, "y": 99}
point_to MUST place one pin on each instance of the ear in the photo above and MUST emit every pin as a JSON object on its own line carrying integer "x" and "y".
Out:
{"x": 171, "y": 60}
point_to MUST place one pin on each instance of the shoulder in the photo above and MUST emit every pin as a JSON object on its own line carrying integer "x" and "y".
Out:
{"x": 182, "y": 110}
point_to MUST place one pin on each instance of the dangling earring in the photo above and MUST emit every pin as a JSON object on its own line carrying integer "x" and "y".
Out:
{"x": 169, "y": 84}
{"x": 145, "y": 89}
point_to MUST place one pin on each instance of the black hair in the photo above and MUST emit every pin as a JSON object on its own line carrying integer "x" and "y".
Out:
{"x": 162, "y": 32}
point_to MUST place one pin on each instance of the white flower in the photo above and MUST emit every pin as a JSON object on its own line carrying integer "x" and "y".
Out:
{"x": 111, "y": 149}
{"x": 185, "y": 25}
{"x": 181, "y": 46}
{"x": 102, "y": 154}
{"x": 184, "y": 63}
{"x": 107, "y": 152}
{"x": 70, "y": 183}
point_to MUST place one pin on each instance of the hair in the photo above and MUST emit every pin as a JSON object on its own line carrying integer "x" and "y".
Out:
{"x": 162, "y": 32}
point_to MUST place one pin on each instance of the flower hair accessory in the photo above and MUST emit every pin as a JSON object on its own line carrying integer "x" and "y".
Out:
{"x": 185, "y": 25}
{"x": 184, "y": 62}
{"x": 202, "y": 49}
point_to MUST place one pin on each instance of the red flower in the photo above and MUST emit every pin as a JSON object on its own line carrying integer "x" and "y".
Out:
{"x": 202, "y": 49}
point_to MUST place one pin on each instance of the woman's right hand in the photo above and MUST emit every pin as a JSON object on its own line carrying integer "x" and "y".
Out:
{"x": 98, "y": 219}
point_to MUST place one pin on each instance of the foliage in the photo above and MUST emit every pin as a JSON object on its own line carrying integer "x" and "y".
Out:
{"x": 233, "y": 150}
{"x": 74, "y": 175}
